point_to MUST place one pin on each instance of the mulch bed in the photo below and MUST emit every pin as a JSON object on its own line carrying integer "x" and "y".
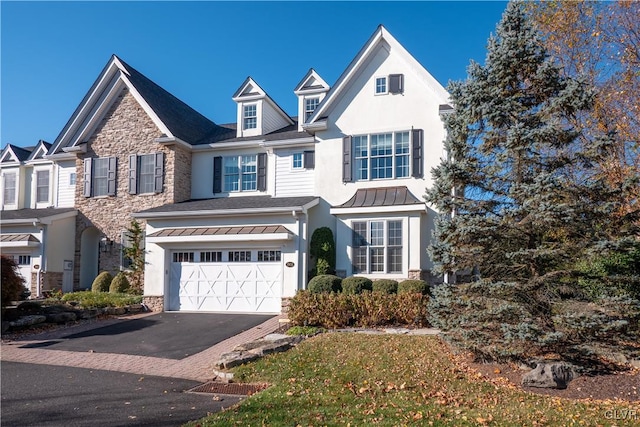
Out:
{"x": 622, "y": 385}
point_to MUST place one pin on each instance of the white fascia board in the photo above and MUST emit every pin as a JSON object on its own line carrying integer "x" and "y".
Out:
{"x": 36, "y": 162}
{"x": 11, "y": 164}
{"x": 43, "y": 220}
{"x": 145, "y": 106}
{"x": 172, "y": 140}
{"x": 289, "y": 142}
{"x": 217, "y": 213}
{"x": 378, "y": 209}
{"x": 67, "y": 155}
{"x": 315, "y": 126}
{"x": 229, "y": 145}
{"x": 311, "y": 204}
{"x": 219, "y": 238}
{"x": 25, "y": 244}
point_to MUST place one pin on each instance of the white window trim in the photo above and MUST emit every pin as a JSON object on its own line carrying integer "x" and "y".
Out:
{"x": 34, "y": 191}
{"x": 16, "y": 174}
{"x": 375, "y": 85}
{"x": 405, "y": 247}
{"x": 301, "y": 167}
{"x": 244, "y": 116}
{"x": 369, "y": 157}
{"x": 240, "y": 174}
{"x": 308, "y": 113}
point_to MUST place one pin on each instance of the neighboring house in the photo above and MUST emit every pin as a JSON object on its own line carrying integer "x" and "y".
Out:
{"x": 37, "y": 217}
{"x": 229, "y": 209}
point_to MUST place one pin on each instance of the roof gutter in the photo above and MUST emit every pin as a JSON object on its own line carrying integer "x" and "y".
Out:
{"x": 315, "y": 126}
{"x": 218, "y": 212}
{"x": 172, "y": 140}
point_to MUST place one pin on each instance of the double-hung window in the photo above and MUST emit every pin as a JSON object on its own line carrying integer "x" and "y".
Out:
{"x": 249, "y": 117}
{"x": 377, "y": 246}
{"x": 146, "y": 173}
{"x": 99, "y": 177}
{"x": 381, "y": 156}
{"x": 240, "y": 173}
{"x": 42, "y": 186}
{"x": 10, "y": 188}
{"x": 310, "y": 105}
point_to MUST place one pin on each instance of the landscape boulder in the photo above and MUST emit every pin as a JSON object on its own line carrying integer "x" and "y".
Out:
{"x": 549, "y": 375}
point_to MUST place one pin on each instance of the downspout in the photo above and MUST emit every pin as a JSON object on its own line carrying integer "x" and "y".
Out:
{"x": 299, "y": 250}
{"x": 43, "y": 259}
{"x": 304, "y": 255}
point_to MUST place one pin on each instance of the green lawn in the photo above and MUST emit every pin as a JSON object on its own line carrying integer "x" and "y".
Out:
{"x": 358, "y": 380}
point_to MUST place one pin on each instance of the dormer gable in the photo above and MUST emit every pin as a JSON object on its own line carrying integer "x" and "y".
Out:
{"x": 39, "y": 152}
{"x": 310, "y": 92}
{"x": 14, "y": 155}
{"x": 258, "y": 114}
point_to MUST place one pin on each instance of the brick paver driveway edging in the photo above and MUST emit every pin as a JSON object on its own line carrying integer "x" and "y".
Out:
{"x": 197, "y": 367}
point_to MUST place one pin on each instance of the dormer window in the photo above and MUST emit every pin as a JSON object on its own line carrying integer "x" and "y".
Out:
{"x": 42, "y": 186}
{"x": 249, "y": 117}
{"x": 381, "y": 85}
{"x": 9, "y": 188}
{"x": 310, "y": 105}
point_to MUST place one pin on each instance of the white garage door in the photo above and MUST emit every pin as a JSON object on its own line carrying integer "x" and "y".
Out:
{"x": 246, "y": 281}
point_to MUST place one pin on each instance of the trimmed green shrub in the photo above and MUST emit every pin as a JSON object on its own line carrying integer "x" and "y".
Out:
{"x": 325, "y": 283}
{"x": 413, "y": 286}
{"x": 323, "y": 249}
{"x": 119, "y": 284}
{"x": 12, "y": 281}
{"x": 356, "y": 284}
{"x": 90, "y": 299}
{"x": 386, "y": 286}
{"x": 102, "y": 282}
{"x": 369, "y": 309}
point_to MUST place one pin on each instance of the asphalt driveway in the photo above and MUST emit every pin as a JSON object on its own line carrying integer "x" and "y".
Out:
{"x": 164, "y": 335}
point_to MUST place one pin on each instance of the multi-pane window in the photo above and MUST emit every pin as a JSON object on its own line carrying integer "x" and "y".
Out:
{"x": 211, "y": 256}
{"x": 381, "y": 156}
{"x": 239, "y": 256}
{"x": 377, "y": 246}
{"x": 269, "y": 255}
{"x": 72, "y": 178}
{"x": 310, "y": 105}
{"x": 297, "y": 161}
{"x": 100, "y": 176}
{"x": 240, "y": 173}
{"x": 381, "y": 85}
{"x": 9, "y": 188}
{"x": 42, "y": 186}
{"x": 249, "y": 117}
{"x": 146, "y": 173}
{"x": 23, "y": 259}
{"x": 183, "y": 256}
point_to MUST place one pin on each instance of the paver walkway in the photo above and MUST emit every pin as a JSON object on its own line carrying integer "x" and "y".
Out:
{"x": 197, "y": 367}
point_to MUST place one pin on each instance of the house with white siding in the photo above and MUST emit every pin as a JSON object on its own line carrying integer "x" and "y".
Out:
{"x": 229, "y": 208}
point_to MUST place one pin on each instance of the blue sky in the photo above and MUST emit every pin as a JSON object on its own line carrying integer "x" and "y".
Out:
{"x": 51, "y": 52}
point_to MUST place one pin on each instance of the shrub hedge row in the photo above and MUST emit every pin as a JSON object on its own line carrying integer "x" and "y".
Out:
{"x": 368, "y": 309}
{"x": 356, "y": 285}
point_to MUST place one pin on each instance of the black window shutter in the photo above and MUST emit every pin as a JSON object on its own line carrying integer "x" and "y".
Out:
{"x": 417, "y": 152}
{"x": 309, "y": 159}
{"x": 217, "y": 174}
{"x": 396, "y": 83}
{"x": 262, "y": 172}
{"x": 86, "y": 189}
{"x": 111, "y": 177}
{"x": 346, "y": 159}
{"x": 133, "y": 174}
{"x": 158, "y": 173}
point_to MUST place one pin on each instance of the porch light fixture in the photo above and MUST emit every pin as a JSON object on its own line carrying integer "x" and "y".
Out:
{"x": 106, "y": 244}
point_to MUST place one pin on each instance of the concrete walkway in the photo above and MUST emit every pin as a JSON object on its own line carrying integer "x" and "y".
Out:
{"x": 198, "y": 367}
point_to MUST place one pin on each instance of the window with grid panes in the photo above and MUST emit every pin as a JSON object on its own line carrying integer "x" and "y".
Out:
{"x": 377, "y": 246}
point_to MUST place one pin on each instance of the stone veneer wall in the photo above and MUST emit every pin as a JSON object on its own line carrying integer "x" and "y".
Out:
{"x": 425, "y": 275}
{"x": 154, "y": 302}
{"x": 48, "y": 280}
{"x": 126, "y": 129}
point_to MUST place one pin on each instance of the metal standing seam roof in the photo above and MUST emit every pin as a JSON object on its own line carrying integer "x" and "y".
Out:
{"x": 18, "y": 238}
{"x": 218, "y": 231}
{"x": 386, "y": 196}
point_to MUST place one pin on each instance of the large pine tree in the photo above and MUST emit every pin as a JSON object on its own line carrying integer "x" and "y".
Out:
{"x": 520, "y": 200}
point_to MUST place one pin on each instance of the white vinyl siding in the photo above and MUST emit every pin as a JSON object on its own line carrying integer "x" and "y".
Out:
{"x": 271, "y": 119}
{"x": 290, "y": 182}
{"x": 66, "y": 184}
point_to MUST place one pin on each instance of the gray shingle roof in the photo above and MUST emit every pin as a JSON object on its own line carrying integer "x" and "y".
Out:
{"x": 210, "y": 231}
{"x": 183, "y": 121}
{"x": 230, "y": 204}
{"x": 287, "y": 132}
{"x": 21, "y": 153}
{"x": 389, "y": 196}
{"x": 33, "y": 213}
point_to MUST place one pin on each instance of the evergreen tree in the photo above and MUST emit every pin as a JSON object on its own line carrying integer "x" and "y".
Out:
{"x": 520, "y": 199}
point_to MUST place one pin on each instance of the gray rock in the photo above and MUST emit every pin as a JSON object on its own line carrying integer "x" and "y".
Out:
{"x": 89, "y": 313}
{"x": 635, "y": 363}
{"x": 4, "y": 327}
{"x": 235, "y": 358}
{"x": 135, "y": 308}
{"x": 276, "y": 337}
{"x": 424, "y": 331}
{"x": 28, "y": 321}
{"x": 397, "y": 331}
{"x": 549, "y": 375}
{"x": 63, "y": 317}
{"x": 271, "y": 348}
